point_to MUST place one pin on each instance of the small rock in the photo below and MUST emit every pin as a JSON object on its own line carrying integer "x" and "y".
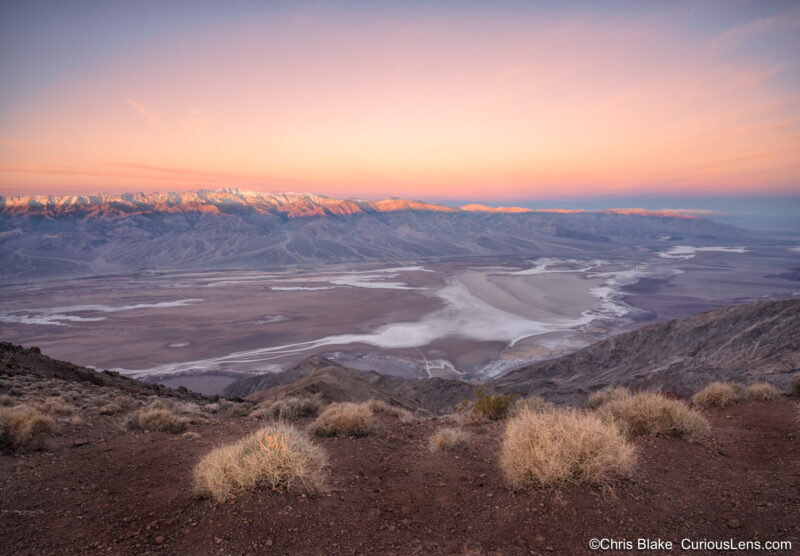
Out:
{"x": 160, "y": 539}
{"x": 734, "y": 524}
{"x": 217, "y": 540}
{"x": 269, "y": 542}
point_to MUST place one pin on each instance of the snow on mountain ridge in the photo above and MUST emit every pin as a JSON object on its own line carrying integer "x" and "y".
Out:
{"x": 293, "y": 205}
{"x": 289, "y": 204}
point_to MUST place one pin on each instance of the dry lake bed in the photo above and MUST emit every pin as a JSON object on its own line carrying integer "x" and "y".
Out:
{"x": 470, "y": 319}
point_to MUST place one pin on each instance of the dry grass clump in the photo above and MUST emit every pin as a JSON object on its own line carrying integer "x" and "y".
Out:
{"x": 235, "y": 409}
{"x": 23, "y": 427}
{"x": 762, "y": 391}
{"x": 448, "y": 439}
{"x": 72, "y": 396}
{"x": 719, "y": 394}
{"x": 606, "y": 395}
{"x": 55, "y": 406}
{"x": 531, "y": 403}
{"x": 7, "y": 401}
{"x": 109, "y": 404}
{"x": 76, "y": 421}
{"x": 548, "y": 448}
{"x": 290, "y": 408}
{"x": 162, "y": 420}
{"x": 344, "y": 419}
{"x": 111, "y": 409}
{"x": 647, "y": 413}
{"x": 378, "y": 406}
{"x": 794, "y": 385}
{"x": 278, "y": 456}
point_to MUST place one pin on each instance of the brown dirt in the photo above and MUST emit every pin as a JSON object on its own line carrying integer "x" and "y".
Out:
{"x": 100, "y": 489}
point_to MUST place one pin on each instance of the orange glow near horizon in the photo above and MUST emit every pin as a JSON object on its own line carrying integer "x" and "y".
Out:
{"x": 428, "y": 107}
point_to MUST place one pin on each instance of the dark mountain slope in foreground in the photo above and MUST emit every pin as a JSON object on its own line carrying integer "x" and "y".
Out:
{"x": 31, "y": 364}
{"x": 750, "y": 342}
{"x": 335, "y": 384}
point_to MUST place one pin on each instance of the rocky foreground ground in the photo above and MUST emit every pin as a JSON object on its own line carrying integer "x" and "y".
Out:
{"x": 97, "y": 487}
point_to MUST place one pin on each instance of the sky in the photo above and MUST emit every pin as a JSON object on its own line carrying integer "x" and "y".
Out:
{"x": 480, "y": 101}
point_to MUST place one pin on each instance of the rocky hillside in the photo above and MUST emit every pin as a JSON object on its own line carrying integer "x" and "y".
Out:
{"x": 335, "y": 384}
{"x": 755, "y": 341}
{"x": 30, "y": 363}
{"x": 48, "y": 237}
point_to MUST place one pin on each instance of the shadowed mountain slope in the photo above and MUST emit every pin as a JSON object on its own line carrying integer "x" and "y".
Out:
{"x": 755, "y": 341}
{"x": 336, "y": 384}
{"x": 30, "y": 362}
{"x": 751, "y": 342}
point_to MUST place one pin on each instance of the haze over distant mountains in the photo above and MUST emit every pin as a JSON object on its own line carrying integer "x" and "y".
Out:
{"x": 48, "y": 237}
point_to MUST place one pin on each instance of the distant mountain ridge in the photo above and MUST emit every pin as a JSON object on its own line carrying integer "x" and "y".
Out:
{"x": 69, "y": 236}
{"x": 229, "y": 200}
{"x": 232, "y": 200}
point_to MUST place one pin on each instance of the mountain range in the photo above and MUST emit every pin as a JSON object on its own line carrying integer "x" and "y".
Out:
{"x": 53, "y": 237}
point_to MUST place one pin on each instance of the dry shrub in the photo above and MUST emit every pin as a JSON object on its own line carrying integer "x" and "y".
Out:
{"x": 794, "y": 385}
{"x": 531, "y": 403}
{"x": 492, "y": 406}
{"x": 76, "y": 421}
{"x": 486, "y": 406}
{"x": 55, "y": 406}
{"x": 448, "y": 439}
{"x": 234, "y": 409}
{"x": 7, "y": 401}
{"x": 344, "y": 419}
{"x": 111, "y": 409}
{"x": 72, "y": 396}
{"x": 549, "y": 448}
{"x": 606, "y": 395}
{"x": 277, "y": 456}
{"x": 162, "y": 420}
{"x": 719, "y": 394}
{"x": 291, "y": 408}
{"x": 762, "y": 391}
{"x": 378, "y": 406}
{"x": 23, "y": 427}
{"x": 647, "y": 413}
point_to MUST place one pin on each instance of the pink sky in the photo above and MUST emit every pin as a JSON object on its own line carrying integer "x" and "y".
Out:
{"x": 426, "y": 105}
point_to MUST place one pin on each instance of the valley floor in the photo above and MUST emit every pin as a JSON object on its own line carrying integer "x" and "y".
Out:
{"x": 100, "y": 489}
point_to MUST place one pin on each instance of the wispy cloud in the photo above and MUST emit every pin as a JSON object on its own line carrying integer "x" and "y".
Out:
{"x": 142, "y": 110}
